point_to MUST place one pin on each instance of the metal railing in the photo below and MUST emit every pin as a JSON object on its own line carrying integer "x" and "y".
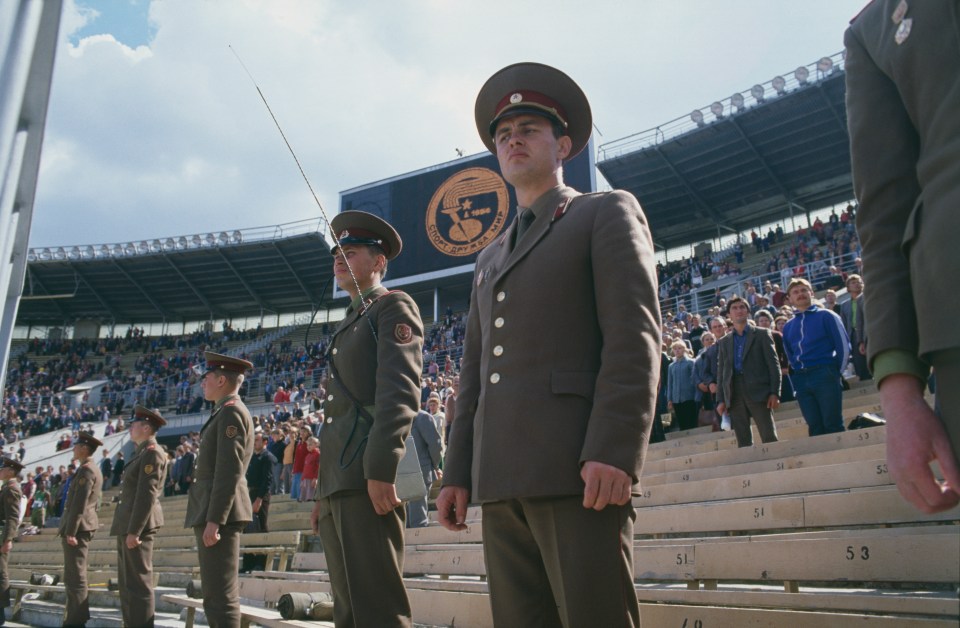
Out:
{"x": 158, "y": 246}
{"x": 802, "y": 77}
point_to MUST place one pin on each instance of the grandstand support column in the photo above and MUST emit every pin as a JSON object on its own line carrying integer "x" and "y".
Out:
{"x": 28, "y": 29}
{"x": 436, "y": 304}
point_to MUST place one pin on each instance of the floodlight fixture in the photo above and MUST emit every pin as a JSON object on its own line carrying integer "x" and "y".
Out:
{"x": 156, "y": 246}
{"x": 130, "y": 249}
{"x": 105, "y": 250}
{"x": 31, "y": 255}
{"x": 44, "y": 254}
{"x": 825, "y": 65}
{"x": 717, "y": 109}
{"x": 210, "y": 239}
{"x": 182, "y": 242}
{"x": 237, "y": 237}
{"x": 757, "y": 92}
{"x": 223, "y": 238}
{"x": 802, "y": 74}
{"x": 169, "y": 244}
{"x": 737, "y": 101}
{"x": 697, "y": 116}
{"x": 60, "y": 253}
{"x": 117, "y": 250}
{"x": 197, "y": 241}
{"x": 143, "y": 248}
{"x": 779, "y": 85}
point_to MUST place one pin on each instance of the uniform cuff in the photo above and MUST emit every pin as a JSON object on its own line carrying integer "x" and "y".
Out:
{"x": 894, "y": 361}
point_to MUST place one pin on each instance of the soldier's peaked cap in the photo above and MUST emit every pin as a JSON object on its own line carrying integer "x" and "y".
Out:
{"x": 90, "y": 441}
{"x": 220, "y": 362}
{"x": 141, "y": 413}
{"x": 10, "y": 463}
{"x": 538, "y": 89}
{"x": 357, "y": 227}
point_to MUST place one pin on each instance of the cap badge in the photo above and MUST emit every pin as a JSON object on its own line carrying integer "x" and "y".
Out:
{"x": 515, "y": 98}
{"x": 345, "y": 233}
{"x": 231, "y": 431}
{"x": 903, "y": 31}
{"x": 148, "y": 469}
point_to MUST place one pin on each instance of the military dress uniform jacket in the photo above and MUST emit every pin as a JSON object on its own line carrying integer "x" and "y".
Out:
{"x": 219, "y": 492}
{"x": 139, "y": 509}
{"x": 561, "y": 354}
{"x": 761, "y": 367}
{"x": 902, "y": 110}
{"x": 382, "y": 372}
{"x": 10, "y": 505}
{"x": 83, "y": 501}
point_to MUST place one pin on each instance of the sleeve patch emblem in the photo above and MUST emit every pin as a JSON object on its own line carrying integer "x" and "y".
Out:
{"x": 148, "y": 469}
{"x": 231, "y": 431}
{"x": 403, "y": 332}
{"x": 81, "y": 481}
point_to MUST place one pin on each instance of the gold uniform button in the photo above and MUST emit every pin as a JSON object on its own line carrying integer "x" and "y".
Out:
{"x": 498, "y": 322}
{"x": 329, "y": 397}
{"x": 495, "y": 378}
{"x": 329, "y": 420}
{"x": 334, "y": 352}
{"x": 498, "y": 350}
{"x": 501, "y": 296}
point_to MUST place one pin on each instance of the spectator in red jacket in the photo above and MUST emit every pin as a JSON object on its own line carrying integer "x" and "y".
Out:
{"x": 299, "y": 457}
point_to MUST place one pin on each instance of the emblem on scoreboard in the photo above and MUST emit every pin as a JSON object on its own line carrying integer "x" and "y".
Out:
{"x": 467, "y": 211}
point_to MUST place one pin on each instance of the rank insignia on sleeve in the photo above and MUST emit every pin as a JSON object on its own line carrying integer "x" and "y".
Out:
{"x": 403, "y": 332}
{"x": 148, "y": 469}
{"x": 231, "y": 431}
{"x": 81, "y": 481}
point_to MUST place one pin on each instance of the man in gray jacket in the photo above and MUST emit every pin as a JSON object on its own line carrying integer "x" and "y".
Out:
{"x": 427, "y": 439}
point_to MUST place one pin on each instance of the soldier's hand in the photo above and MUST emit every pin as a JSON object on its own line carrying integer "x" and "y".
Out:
{"x": 133, "y": 541}
{"x": 6, "y": 547}
{"x": 452, "y": 507}
{"x": 257, "y": 503}
{"x": 773, "y": 402}
{"x": 915, "y": 438}
{"x": 383, "y": 495}
{"x": 211, "y": 534}
{"x": 603, "y": 485}
{"x": 721, "y": 408}
{"x": 72, "y": 541}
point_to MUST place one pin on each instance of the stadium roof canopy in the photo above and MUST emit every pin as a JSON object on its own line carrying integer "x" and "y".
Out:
{"x": 252, "y": 272}
{"x": 756, "y": 157}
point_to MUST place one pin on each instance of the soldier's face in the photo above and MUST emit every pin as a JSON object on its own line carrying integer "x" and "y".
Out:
{"x": 362, "y": 260}
{"x": 527, "y": 150}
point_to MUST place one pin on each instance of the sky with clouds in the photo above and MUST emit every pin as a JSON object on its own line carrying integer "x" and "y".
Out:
{"x": 155, "y": 130}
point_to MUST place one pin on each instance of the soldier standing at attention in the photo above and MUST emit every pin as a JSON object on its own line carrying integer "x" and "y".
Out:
{"x": 138, "y": 517}
{"x": 10, "y": 516}
{"x": 559, "y": 376}
{"x": 78, "y": 524}
{"x": 219, "y": 506}
{"x": 375, "y": 359}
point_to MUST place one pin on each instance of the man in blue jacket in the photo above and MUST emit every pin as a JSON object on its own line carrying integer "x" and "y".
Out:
{"x": 818, "y": 349}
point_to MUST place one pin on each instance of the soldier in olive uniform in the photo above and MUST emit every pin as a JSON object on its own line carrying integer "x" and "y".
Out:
{"x": 373, "y": 395}
{"x": 138, "y": 517}
{"x": 10, "y": 517}
{"x": 78, "y": 524}
{"x": 219, "y": 504}
{"x": 559, "y": 377}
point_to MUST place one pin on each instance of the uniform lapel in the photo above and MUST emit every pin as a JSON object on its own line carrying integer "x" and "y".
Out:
{"x": 354, "y": 315}
{"x": 545, "y": 207}
{"x": 749, "y": 335}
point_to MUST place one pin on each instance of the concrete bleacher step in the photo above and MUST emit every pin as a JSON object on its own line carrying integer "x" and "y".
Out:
{"x": 48, "y": 614}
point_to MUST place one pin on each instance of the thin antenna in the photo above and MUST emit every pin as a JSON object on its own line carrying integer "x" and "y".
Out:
{"x": 303, "y": 174}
